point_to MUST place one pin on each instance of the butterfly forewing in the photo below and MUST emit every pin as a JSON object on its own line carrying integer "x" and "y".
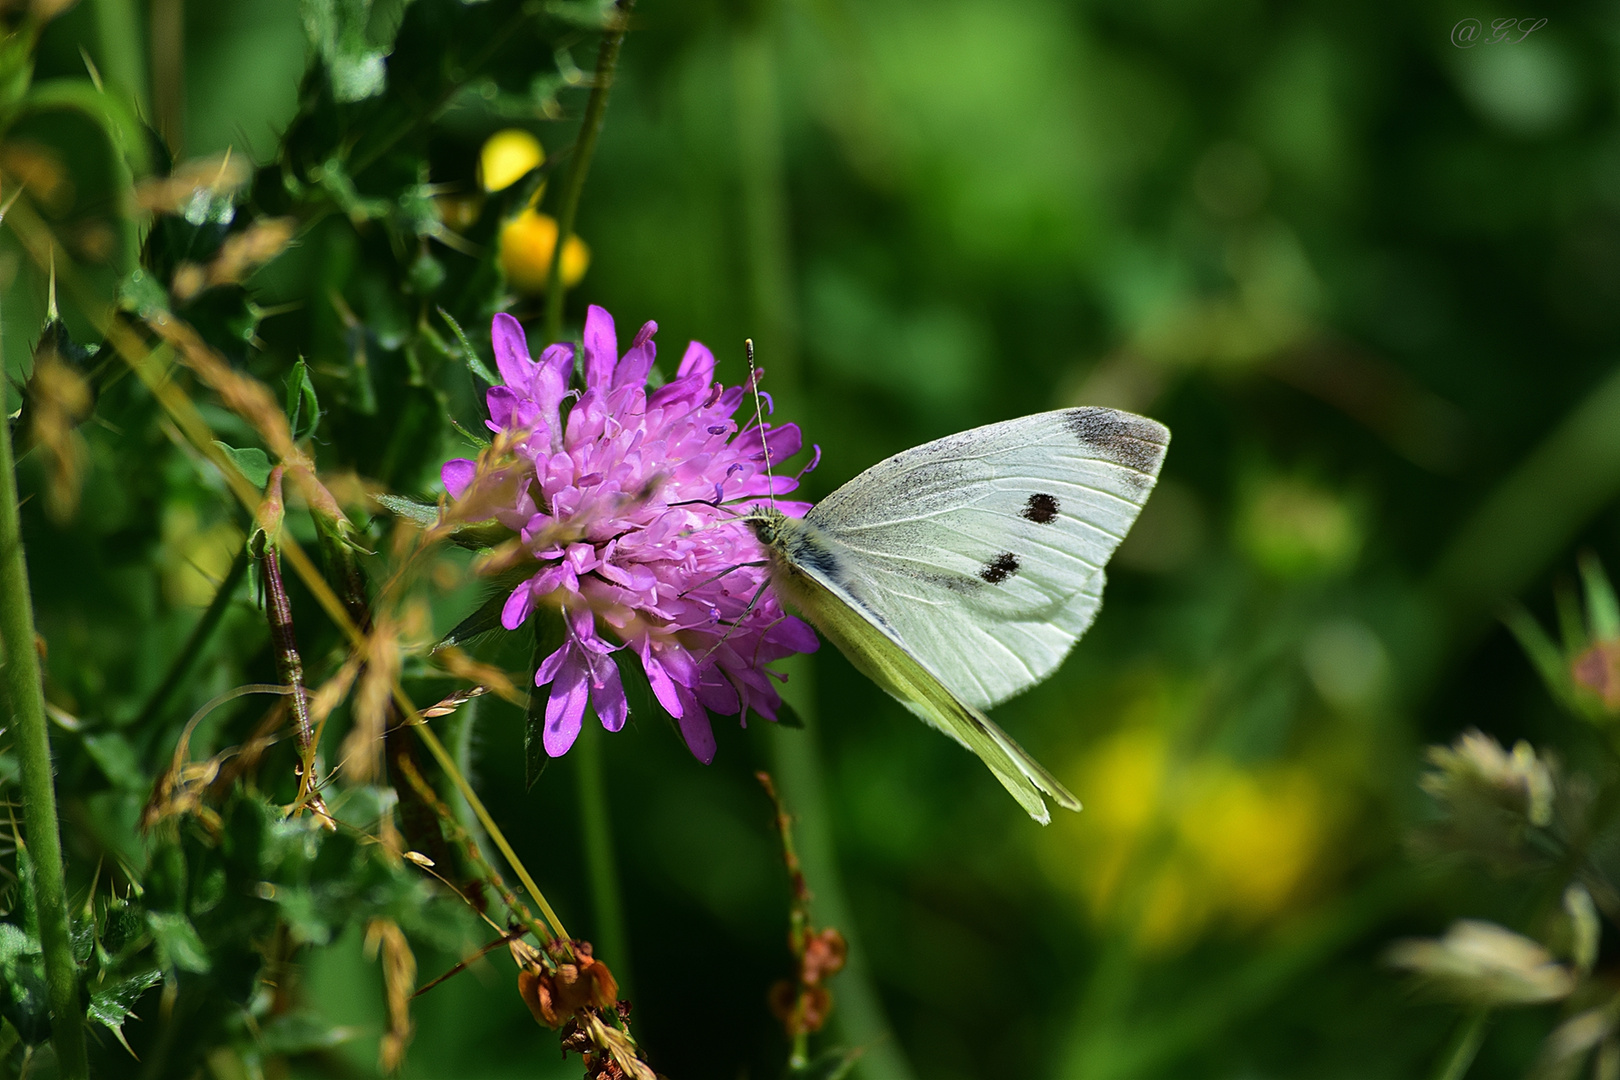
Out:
{"x": 983, "y": 552}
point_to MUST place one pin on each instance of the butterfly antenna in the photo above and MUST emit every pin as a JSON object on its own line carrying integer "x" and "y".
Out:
{"x": 759, "y": 418}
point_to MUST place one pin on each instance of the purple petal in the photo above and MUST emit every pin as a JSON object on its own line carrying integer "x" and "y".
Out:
{"x": 518, "y": 606}
{"x": 663, "y": 687}
{"x": 549, "y": 666}
{"x": 607, "y": 696}
{"x": 794, "y": 634}
{"x": 696, "y": 730}
{"x": 601, "y": 347}
{"x": 457, "y": 475}
{"x": 500, "y": 400}
{"x": 566, "y": 708}
{"x": 638, "y": 359}
{"x": 697, "y": 363}
{"x": 511, "y": 351}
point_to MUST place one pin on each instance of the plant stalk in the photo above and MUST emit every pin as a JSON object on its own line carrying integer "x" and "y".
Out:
{"x": 26, "y": 693}
{"x": 796, "y": 766}
{"x": 601, "y": 864}
{"x": 607, "y": 61}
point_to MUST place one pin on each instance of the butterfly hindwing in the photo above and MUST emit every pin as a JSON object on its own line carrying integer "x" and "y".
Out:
{"x": 862, "y": 636}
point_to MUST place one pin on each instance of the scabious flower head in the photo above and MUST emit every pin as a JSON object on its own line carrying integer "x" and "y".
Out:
{"x": 620, "y": 494}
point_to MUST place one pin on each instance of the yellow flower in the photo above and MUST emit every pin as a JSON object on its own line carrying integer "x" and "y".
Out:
{"x": 527, "y": 242}
{"x": 1171, "y": 847}
{"x": 508, "y": 156}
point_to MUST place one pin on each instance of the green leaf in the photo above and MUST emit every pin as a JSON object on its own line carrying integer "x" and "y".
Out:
{"x": 303, "y": 408}
{"x": 177, "y": 942}
{"x": 110, "y": 1005}
{"x": 23, "y": 997}
{"x": 251, "y": 462}
{"x": 123, "y": 130}
{"x": 118, "y": 761}
{"x": 469, "y": 355}
{"x": 1547, "y": 658}
{"x": 423, "y": 514}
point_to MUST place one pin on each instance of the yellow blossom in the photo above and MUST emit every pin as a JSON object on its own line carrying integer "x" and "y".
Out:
{"x": 507, "y": 157}
{"x": 527, "y": 242}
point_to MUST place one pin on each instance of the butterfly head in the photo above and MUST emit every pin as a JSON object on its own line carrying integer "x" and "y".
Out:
{"x": 767, "y": 523}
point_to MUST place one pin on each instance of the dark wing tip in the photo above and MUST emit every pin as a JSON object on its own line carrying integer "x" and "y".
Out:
{"x": 1120, "y": 437}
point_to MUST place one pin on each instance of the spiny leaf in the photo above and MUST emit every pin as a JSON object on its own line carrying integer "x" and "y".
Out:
{"x": 110, "y": 1006}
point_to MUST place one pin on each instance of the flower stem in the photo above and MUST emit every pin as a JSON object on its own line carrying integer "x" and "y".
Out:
{"x": 607, "y": 61}
{"x": 26, "y": 693}
{"x": 857, "y": 1010}
{"x": 601, "y": 866}
{"x": 188, "y": 656}
{"x": 290, "y": 669}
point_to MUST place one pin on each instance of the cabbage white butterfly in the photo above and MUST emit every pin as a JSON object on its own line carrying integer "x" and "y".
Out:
{"x": 960, "y": 572}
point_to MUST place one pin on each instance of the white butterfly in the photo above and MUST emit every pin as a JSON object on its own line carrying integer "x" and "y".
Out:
{"x": 961, "y": 572}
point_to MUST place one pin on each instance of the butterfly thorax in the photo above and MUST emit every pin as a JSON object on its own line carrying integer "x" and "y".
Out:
{"x": 792, "y": 544}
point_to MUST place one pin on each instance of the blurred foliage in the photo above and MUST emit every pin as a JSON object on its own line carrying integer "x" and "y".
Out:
{"x": 1370, "y": 280}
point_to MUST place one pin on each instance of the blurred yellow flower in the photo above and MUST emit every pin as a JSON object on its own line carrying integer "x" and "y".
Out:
{"x": 1168, "y": 849}
{"x": 527, "y": 242}
{"x": 508, "y": 156}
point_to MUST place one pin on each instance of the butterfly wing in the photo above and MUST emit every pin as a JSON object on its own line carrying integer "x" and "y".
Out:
{"x": 982, "y": 553}
{"x": 800, "y": 577}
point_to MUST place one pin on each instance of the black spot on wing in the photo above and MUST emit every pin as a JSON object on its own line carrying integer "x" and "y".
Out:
{"x": 1000, "y": 568}
{"x": 1123, "y": 438}
{"x": 1041, "y": 509}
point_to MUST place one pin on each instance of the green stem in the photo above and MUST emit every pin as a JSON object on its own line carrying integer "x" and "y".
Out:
{"x": 761, "y": 179}
{"x": 119, "y": 37}
{"x": 191, "y": 652}
{"x": 26, "y": 693}
{"x": 607, "y": 61}
{"x": 796, "y": 767}
{"x": 1465, "y": 1047}
{"x": 607, "y": 903}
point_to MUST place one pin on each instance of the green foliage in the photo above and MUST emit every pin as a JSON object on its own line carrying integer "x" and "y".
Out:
{"x": 1333, "y": 253}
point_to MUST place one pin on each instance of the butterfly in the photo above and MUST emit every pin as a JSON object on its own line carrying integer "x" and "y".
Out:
{"x": 961, "y": 572}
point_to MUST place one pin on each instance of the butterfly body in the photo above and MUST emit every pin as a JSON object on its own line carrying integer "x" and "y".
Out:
{"x": 961, "y": 572}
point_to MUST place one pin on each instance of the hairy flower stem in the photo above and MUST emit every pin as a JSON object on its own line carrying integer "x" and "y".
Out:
{"x": 797, "y": 771}
{"x": 26, "y": 693}
{"x": 290, "y": 669}
{"x": 607, "y": 61}
{"x": 186, "y": 660}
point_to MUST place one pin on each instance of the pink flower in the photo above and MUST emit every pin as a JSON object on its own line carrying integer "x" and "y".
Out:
{"x": 625, "y": 495}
